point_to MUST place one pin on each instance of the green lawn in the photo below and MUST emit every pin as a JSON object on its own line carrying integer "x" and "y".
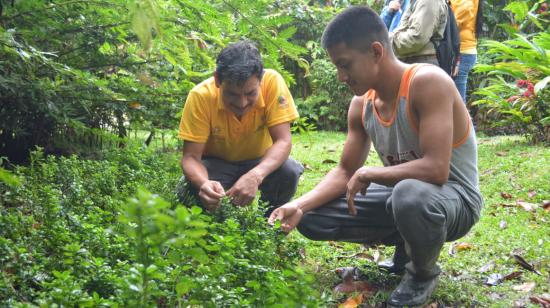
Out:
{"x": 511, "y": 172}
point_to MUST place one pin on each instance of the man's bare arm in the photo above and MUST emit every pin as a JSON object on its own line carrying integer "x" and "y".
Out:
{"x": 278, "y": 153}
{"x": 433, "y": 94}
{"x": 353, "y": 156}
{"x": 191, "y": 163}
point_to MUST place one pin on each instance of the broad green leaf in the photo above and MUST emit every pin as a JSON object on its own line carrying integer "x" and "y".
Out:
{"x": 519, "y": 9}
{"x": 541, "y": 84}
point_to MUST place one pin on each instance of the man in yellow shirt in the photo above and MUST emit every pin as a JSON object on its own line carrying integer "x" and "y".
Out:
{"x": 236, "y": 131}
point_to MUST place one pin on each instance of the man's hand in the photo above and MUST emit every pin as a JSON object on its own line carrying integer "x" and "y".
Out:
{"x": 211, "y": 194}
{"x": 244, "y": 190}
{"x": 356, "y": 183}
{"x": 456, "y": 69}
{"x": 394, "y": 6}
{"x": 289, "y": 215}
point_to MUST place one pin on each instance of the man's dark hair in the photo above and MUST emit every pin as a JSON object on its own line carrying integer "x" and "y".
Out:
{"x": 358, "y": 27}
{"x": 238, "y": 62}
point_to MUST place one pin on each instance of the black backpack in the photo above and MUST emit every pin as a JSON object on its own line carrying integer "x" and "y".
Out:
{"x": 448, "y": 48}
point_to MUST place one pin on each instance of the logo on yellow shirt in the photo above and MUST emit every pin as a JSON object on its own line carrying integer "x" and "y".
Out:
{"x": 282, "y": 102}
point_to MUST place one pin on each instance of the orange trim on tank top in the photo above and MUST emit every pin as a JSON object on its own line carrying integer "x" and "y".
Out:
{"x": 463, "y": 140}
{"x": 403, "y": 84}
{"x": 406, "y": 94}
{"x": 370, "y": 95}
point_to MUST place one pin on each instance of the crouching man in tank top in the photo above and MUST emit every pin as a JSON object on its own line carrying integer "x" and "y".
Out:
{"x": 427, "y": 191}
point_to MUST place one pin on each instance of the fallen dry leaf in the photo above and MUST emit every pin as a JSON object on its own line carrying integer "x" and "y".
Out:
{"x": 529, "y": 207}
{"x": 512, "y": 276}
{"x": 525, "y": 287}
{"x": 501, "y": 153}
{"x": 505, "y": 195}
{"x": 543, "y": 300}
{"x": 531, "y": 194}
{"x": 526, "y": 265}
{"x": 487, "y": 267}
{"x": 335, "y": 244}
{"x": 352, "y": 301}
{"x": 494, "y": 279}
{"x": 307, "y": 167}
{"x": 329, "y": 161}
{"x": 495, "y": 296}
{"x": 546, "y": 205}
{"x": 503, "y": 224}
{"x": 363, "y": 255}
{"x": 354, "y": 286}
{"x": 463, "y": 246}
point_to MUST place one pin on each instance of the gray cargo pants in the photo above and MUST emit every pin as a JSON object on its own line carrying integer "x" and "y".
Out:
{"x": 420, "y": 215}
{"x": 276, "y": 189}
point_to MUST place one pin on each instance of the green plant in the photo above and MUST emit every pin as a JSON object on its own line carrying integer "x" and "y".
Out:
{"x": 328, "y": 104}
{"x": 302, "y": 125}
{"x": 516, "y": 93}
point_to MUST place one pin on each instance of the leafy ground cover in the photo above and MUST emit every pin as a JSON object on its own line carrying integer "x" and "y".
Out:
{"x": 82, "y": 232}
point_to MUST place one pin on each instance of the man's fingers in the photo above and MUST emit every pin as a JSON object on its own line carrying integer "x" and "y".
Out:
{"x": 209, "y": 200}
{"x": 351, "y": 202}
{"x": 218, "y": 188}
{"x": 211, "y": 193}
{"x": 276, "y": 215}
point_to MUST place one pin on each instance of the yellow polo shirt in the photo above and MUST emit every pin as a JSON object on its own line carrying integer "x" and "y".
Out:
{"x": 206, "y": 120}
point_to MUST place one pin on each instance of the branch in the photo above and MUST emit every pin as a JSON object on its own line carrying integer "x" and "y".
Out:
{"x": 253, "y": 24}
{"x": 54, "y": 6}
{"x": 115, "y": 64}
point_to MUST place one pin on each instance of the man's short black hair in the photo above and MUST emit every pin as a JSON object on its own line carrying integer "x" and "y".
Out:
{"x": 358, "y": 27}
{"x": 239, "y": 61}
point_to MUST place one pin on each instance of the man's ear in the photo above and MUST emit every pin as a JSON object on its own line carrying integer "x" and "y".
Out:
{"x": 377, "y": 50}
{"x": 217, "y": 79}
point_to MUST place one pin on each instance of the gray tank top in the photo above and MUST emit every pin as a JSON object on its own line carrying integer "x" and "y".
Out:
{"x": 396, "y": 141}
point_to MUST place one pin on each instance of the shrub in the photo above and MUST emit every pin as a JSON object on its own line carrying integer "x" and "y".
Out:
{"x": 328, "y": 105}
{"x": 516, "y": 94}
{"x": 79, "y": 232}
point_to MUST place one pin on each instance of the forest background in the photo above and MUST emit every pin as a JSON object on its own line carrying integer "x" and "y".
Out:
{"x": 92, "y": 78}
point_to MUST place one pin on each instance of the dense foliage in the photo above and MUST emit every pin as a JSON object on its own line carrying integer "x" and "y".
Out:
{"x": 72, "y": 71}
{"x": 515, "y": 93}
{"x": 79, "y": 232}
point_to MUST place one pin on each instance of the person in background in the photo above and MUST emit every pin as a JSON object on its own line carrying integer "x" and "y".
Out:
{"x": 468, "y": 15}
{"x": 392, "y": 12}
{"x": 422, "y": 22}
{"x": 236, "y": 131}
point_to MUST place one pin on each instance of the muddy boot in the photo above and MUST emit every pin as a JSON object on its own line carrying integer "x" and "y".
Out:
{"x": 397, "y": 264}
{"x": 412, "y": 292}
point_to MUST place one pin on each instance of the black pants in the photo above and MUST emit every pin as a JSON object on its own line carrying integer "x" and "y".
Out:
{"x": 276, "y": 189}
{"x": 421, "y": 215}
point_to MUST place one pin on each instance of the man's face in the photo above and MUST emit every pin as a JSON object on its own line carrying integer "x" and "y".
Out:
{"x": 240, "y": 98}
{"x": 355, "y": 68}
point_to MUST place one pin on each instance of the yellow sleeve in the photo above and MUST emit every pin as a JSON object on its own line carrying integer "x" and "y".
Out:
{"x": 195, "y": 119}
{"x": 464, "y": 12}
{"x": 280, "y": 107}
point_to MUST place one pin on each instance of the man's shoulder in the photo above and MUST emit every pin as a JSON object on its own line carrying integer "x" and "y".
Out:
{"x": 270, "y": 75}
{"x": 205, "y": 92}
{"x": 431, "y": 75}
{"x": 206, "y": 87}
